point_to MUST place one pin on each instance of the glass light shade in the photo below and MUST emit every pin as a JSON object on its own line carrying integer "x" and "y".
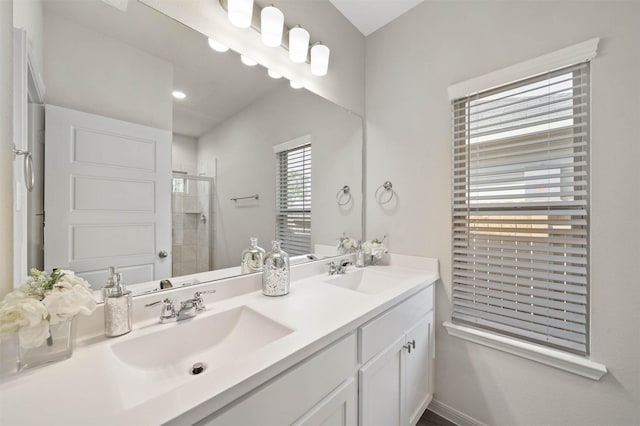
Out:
{"x": 273, "y": 74}
{"x": 295, "y": 85}
{"x": 217, "y": 46}
{"x": 298, "y": 44}
{"x": 239, "y": 12}
{"x": 319, "y": 59}
{"x": 248, "y": 61}
{"x": 271, "y": 26}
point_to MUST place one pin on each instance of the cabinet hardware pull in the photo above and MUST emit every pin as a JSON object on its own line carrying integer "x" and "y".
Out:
{"x": 410, "y": 345}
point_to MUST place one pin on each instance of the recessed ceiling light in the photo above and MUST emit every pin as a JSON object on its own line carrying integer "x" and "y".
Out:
{"x": 217, "y": 46}
{"x": 178, "y": 94}
{"x": 295, "y": 85}
{"x": 248, "y": 61}
{"x": 274, "y": 74}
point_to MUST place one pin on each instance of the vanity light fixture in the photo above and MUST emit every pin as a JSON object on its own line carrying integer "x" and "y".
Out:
{"x": 274, "y": 74}
{"x": 271, "y": 26}
{"x": 240, "y": 12}
{"x": 217, "y": 46}
{"x": 295, "y": 85}
{"x": 298, "y": 44}
{"x": 319, "y": 59}
{"x": 178, "y": 94}
{"x": 248, "y": 61}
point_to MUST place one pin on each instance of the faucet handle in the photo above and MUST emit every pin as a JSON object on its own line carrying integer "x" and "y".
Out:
{"x": 333, "y": 268}
{"x": 199, "y": 302}
{"x": 168, "y": 311}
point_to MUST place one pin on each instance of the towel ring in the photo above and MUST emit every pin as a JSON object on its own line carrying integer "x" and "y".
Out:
{"x": 388, "y": 187}
{"x": 345, "y": 190}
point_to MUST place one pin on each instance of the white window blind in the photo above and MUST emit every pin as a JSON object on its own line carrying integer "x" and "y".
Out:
{"x": 293, "y": 200}
{"x": 520, "y": 209}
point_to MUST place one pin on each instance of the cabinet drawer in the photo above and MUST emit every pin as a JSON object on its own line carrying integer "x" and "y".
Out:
{"x": 383, "y": 330}
{"x": 290, "y": 395}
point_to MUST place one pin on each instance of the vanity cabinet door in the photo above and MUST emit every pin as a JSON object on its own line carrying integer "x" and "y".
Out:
{"x": 381, "y": 383}
{"x": 396, "y": 385}
{"x": 418, "y": 383}
{"x": 337, "y": 409}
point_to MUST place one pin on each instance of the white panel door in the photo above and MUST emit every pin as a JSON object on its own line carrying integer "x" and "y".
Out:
{"x": 107, "y": 197}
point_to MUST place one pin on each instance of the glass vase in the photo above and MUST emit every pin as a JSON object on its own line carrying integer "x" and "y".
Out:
{"x": 275, "y": 277}
{"x": 57, "y": 347}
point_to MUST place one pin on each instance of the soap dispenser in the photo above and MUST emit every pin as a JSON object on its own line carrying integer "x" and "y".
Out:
{"x": 117, "y": 306}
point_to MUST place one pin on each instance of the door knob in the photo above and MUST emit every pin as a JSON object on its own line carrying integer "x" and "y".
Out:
{"x": 163, "y": 254}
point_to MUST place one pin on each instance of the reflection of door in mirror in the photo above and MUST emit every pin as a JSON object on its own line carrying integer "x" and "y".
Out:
{"x": 107, "y": 195}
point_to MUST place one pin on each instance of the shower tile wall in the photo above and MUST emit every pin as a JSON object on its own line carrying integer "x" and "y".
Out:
{"x": 191, "y": 226}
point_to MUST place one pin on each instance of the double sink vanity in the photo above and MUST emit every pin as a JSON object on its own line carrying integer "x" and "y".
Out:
{"x": 347, "y": 349}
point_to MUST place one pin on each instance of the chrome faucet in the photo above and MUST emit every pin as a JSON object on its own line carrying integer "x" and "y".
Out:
{"x": 188, "y": 308}
{"x": 338, "y": 268}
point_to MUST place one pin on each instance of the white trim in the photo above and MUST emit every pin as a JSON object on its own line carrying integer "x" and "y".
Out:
{"x": 453, "y": 415}
{"x": 292, "y": 144}
{"x": 571, "y": 55}
{"x": 564, "y": 361}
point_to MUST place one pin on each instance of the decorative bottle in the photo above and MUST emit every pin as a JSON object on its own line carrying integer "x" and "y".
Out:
{"x": 341, "y": 248}
{"x": 359, "y": 256}
{"x": 275, "y": 277}
{"x": 252, "y": 257}
{"x": 117, "y": 306}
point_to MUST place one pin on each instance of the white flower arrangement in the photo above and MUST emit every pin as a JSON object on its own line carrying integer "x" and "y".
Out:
{"x": 44, "y": 299}
{"x": 374, "y": 248}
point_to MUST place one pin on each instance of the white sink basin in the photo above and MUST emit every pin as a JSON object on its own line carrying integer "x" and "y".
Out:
{"x": 367, "y": 280}
{"x": 157, "y": 362}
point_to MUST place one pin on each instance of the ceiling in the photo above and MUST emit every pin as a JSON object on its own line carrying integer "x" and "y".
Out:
{"x": 217, "y": 84}
{"x": 370, "y": 15}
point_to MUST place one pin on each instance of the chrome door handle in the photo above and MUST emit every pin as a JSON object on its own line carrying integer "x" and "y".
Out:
{"x": 163, "y": 254}
{"x": 410, "y": 345}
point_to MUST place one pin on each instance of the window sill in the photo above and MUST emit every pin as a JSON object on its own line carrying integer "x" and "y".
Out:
{"x": 554, "y": 358}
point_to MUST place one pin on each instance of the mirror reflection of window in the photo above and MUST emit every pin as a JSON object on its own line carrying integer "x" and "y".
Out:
{"x": 293, "y": 200}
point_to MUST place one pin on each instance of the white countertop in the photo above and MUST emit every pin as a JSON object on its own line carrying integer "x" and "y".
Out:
{"x": 94, "y": 386}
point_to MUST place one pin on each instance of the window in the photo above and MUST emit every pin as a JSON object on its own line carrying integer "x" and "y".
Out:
{"x": 293, "y": 199}
{"x": 521, "y": 209}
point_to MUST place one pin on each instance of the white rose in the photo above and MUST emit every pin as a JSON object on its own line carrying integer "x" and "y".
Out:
{"x": 71, "y": 278}
{"x": 26, "y": 315}
{"x": 65, "y": 301}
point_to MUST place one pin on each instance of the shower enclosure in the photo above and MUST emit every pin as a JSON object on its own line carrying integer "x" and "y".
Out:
{"x": 192, "y": 224}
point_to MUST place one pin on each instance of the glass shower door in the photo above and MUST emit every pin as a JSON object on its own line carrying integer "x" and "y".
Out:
{"x": 191, "y": 205}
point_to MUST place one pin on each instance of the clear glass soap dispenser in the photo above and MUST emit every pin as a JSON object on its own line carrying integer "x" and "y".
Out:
{"x": 275, "y": 277}
{"x": 252, "y": 257}
{"x": 117, "y": 306}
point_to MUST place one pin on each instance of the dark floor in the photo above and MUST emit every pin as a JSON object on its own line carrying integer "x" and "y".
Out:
{"x": 429, "y": 418}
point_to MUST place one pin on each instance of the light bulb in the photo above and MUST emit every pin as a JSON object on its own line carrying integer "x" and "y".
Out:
{"x": 298, "y": 44}
{"x": 248, "y": 61}
{"x": 319, "y": 59}
{"x": 217, "y": 46}
{"x": 274, "y": 74}
{"x": 271, "y": 24}
{"x": 178, "y": 94}
{"x": 239, "y": 12}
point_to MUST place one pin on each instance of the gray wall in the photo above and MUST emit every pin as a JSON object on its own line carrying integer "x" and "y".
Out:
{"x": 184, "y": 154}
{"x": 6, "y": 142}
{"x": 409, "y": 65}
{"x": 243, "y": 147}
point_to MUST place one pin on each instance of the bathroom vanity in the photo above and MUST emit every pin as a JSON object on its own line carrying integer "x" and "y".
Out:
{"x": 346, "y": 349}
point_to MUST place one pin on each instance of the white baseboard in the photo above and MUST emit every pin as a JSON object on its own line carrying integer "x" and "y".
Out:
{"x": 453, "y": 415}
